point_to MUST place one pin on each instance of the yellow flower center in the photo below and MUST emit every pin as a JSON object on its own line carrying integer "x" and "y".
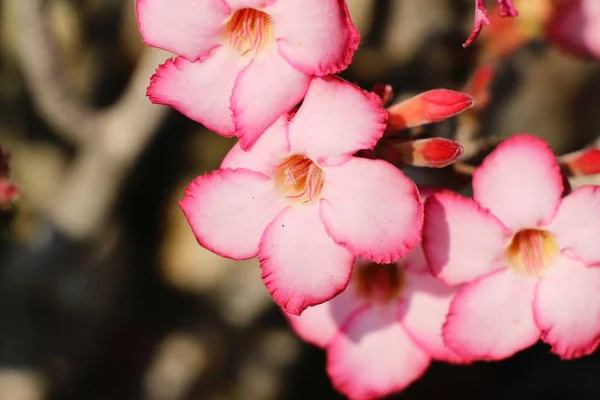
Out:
{"x": 299, "y": 179}
{"x": 249, "y": 31}
{"x": 531, "y": 251}
{"x": 380, "y": 283}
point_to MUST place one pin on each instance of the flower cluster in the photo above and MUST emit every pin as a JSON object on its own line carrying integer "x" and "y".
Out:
{"x": 385, "y": 276}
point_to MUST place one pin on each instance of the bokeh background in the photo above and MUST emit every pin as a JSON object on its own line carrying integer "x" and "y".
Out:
{"x": 104, "y": 292}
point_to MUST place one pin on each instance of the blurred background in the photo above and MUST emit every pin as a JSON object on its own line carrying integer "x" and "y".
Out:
{"x": 104, "y": 292}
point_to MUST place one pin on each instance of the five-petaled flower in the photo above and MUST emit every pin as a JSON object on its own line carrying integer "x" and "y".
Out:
{"x": 302, "y": 203}
{"x": 244, "y": 63}
{"x": 382, "y": 332}
{"x": 525, "y": 254}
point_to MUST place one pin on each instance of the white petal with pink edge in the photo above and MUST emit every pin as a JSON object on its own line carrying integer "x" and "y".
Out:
{"x": 520, "y": 182}
{"x": 415, "y": 261}
{"x": 327, "y": 47}
{"x": 319, "y": 324}
{"x": 190, "y": 29}
{"x": 373, "y": 356}
{"x": 567, "y": 308}
{"x": 301, "y": 265}
{"x": 266, "y": 89}
{"x": 256, "y": 4}
{"x": 491, "y": 318}
{"x": 229, "y": 210}
{"x": 266, "y": 154}
{"x": 200, "y": 90}
{"x": 422, "y": 311}
{"x": 577, "y": 223}
{"x": 372, "y": 209}
{"x": 461, "y": 240}
{"x": 336, "y": 120}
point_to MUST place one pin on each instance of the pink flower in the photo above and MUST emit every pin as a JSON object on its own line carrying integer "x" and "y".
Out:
{"x": 244, "y": 63}
{"x": 575, "y": 26}
{"x": 506, "y": 8}
{"x": 382, "y": 332}
{"x": 525, "y": 254}
{"x": 301, "y": 202}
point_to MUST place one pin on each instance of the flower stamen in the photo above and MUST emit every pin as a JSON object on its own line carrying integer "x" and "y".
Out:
{"x": 298, "y": 178}
{"x": 249, "y": 31}
{"x": 531, "y": 251}
{"x": 380, "y": 283}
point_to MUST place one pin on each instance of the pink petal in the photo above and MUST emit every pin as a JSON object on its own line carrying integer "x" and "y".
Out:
{"x": 423, "y": 311}
{"x": 491, "y": 318}
{"x": 229, "y": 210}
{"x": 191, "y": 28}
{"x": 319, "y": 324}
{"x": 266, "y": 89}
{"x": 301, "y": 265}
{"x": 256, "y": 4}
{"x": 372, "y": 209}
{"x": 317, "y": 37}
{"x": 577, "y": 223}
{"x": 461, "y": 240}
{"x": 266, "y": 154}
{"x": 520, "y": 182}
{"x": 480, "y": 19}
{"x": 373, "y": 357}
{"x": 575, "y": 26}
{"x": 567, "y": 308}
{"x": 200, "y": 90}
{"x": 336, "y": 120}
{"x": 507, "y": 8}
{"x": 415, "y": 261}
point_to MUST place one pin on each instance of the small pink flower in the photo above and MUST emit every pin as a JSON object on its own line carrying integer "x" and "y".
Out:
{"x": 301, "y": 202}
{"x": 506, "y": 8}
{"x": 382, "y": 332}
{"x": 244, "y": 63}
{"x": 575, "y": 26}
{"x": 526, "y": 255}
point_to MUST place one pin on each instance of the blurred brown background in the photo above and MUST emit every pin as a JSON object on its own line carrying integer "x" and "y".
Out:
{"x": 104, "y": 292}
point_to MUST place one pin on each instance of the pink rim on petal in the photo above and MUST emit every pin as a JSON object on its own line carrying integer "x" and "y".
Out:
{"x": 191, "y": 29}
{"x": 520, "y": 182}
{"x": 319, "y": 324}
{"x": 327, "y": 47}
{"x": 200, "y": 90}
{"x": 229, "y": 210}
{"x": 301, "y": 265}
{"x": 491, "y": 318}
{"x": 372, "y": 209}
{"x": 577, "y": 223}
{"x": 574, "y": 26}
{"x": 266, "y": 89}
{"x": 373, "y": 356}
{"x": 462, "y": 241}
{"x": 567, "y": 308}
{"x": 270, "y": 149}
{"x": 422, "y": 312}
{"x": 336, "y": 120}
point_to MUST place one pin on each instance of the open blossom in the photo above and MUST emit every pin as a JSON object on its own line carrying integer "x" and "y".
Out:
{"x": 304, "y": 204}
{"x": 382, "y": 332}
{"x": 575, "y": 26}
{"x": 506, "y": 8}
{"x": 244, "y": 63}
{"x": 525, "y": 254}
